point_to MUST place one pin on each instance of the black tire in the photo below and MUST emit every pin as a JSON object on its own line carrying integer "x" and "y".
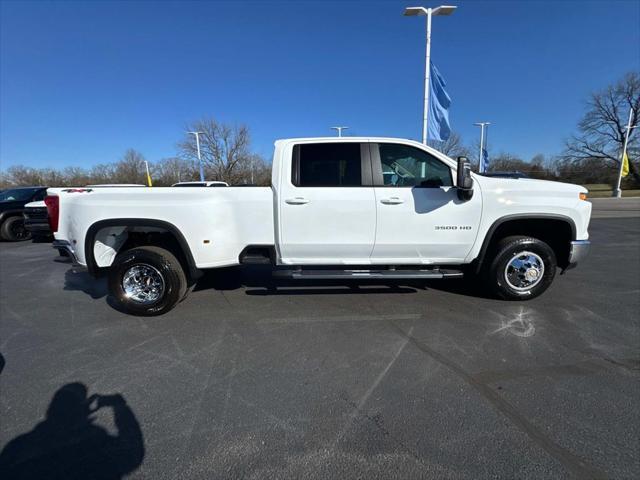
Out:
{"x": 12, "y": 230}
{"x": 163, "y": 264}
{"x": 517, "y": 283}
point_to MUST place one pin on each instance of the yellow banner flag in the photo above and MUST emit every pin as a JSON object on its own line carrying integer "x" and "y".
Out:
{"x": 146, "y": 166}
{"x": 625, "y": 165}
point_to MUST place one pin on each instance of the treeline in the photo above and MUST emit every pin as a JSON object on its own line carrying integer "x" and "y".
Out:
{"x": 131, "y": 169}
{"x": 561, "y": 169}
{"x": 225, "y": 152}
{"x": 255, "y": 170}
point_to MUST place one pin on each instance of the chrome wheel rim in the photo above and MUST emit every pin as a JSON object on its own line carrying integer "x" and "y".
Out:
{"x": 143, "y": 284}
{"x": 524, "y": 271}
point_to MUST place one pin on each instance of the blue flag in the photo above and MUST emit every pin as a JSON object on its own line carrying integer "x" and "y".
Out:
{"x": 439, "y": 103}
{"x": 485, "y": 160}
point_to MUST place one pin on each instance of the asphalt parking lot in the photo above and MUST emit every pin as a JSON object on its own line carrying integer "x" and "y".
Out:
{"x": 250, "y": 379}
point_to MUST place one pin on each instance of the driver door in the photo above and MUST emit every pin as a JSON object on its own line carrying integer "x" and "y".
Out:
{"x": 420, "y": 219}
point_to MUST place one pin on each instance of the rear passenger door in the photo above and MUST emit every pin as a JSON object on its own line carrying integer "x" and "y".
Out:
{"x": 326, "y": 205}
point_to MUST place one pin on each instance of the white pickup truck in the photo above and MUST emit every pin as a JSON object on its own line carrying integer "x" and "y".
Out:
{"x": 352, "y": 208}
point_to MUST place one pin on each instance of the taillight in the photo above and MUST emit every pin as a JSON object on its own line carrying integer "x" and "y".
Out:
{"x": 53, "y": 211}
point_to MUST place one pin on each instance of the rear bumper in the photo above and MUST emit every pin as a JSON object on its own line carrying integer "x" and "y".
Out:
{"x": 37, "y": 226}
{"x": 578, "y": 251}
{"x": 67, "y": 248}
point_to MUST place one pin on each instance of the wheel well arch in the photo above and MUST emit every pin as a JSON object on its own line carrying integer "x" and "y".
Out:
{"x": 556, "y": 230}
{"x": 10, "y": 213}
{"x": 142, "y": 231}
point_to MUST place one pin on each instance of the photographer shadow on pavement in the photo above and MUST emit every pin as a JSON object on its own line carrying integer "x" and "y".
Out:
{"x": 69, "y": 445}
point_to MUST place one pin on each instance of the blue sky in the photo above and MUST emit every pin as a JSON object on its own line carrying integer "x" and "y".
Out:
{"x": 80, "y": 82}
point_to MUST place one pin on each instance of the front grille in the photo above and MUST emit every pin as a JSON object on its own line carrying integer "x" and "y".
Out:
{"x": 36, "y": 213}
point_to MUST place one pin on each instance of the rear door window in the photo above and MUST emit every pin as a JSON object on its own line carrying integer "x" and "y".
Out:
{"x": 327, "y": 165}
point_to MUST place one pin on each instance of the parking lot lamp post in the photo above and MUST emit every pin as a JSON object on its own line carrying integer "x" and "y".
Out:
{"x": 428, "y": 12}
{"x": 339, "y": 129}
{"x": 197, "y": 134}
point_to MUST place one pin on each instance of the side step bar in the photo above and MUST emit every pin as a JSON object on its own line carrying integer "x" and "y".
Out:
{"x": 366, "y": 274}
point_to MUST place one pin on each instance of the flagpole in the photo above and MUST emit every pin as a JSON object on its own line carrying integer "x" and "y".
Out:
{"x": 428, "y": 12}
{"x": 427, "y": 70}
{"x": 481, "y": 165}
{"x": 482, "y": 126}
{"x": 618, "y": 191}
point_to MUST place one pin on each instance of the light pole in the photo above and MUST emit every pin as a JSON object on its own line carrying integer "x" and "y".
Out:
{"x": 618, "y": 191}
{"x": 339, "y": 129}
{"x": 482, "y": 126}
{"x": 197, "y": 134}
{"x": 429, "y": 12}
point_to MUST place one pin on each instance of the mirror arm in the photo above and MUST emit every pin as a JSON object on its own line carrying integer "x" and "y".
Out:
{"x": 465, "y": 194}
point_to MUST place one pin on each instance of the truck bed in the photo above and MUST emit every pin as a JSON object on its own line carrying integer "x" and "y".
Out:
{"x": 217, "y": 223}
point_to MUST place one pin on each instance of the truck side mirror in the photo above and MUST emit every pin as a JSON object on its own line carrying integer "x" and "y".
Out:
{"x": 464, "y": 181}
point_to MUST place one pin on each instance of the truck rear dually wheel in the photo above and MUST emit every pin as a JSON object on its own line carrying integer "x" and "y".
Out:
{"x": 522, "y": 268}
{"x": 147, "y": 281}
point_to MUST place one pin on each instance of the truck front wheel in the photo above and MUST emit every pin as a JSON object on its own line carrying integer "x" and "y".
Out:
{"x": 147, "y": 281}
{"x": 522, "y": 268}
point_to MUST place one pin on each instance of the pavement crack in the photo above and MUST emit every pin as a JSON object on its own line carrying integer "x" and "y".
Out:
{"x": 574, "y": 464}
{"x": 363, "y": 399}
{"x": 226, "y": 299}
{"x": 588, "y": 367}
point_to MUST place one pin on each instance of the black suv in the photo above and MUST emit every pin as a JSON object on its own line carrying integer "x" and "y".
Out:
{"x": 12, "y": 202}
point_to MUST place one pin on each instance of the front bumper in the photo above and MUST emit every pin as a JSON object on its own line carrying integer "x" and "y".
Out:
{"x": 578, "y": 251}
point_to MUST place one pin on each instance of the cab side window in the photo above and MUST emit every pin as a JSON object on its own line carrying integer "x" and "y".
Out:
{"x": 406, "y": 166}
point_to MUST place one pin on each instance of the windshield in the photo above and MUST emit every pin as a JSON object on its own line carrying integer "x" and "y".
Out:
{"x": 17, "y": 194}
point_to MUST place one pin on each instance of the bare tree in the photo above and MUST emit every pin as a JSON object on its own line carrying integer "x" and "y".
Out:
{"x": 24, "y": 176}
{"x": 452, "y": 147}
{"x": 602, "y": 130}
{"x": 71, "y": 176}
{"x": 508, "y": 162}
{"x": 255, "y": 171}
{"x": 168, "y": 171}
{"x": 5, "y": 180}
{"x": 131, "y": 168}
{"x": 102, "y": 173}
{"x": 224, "y": 149}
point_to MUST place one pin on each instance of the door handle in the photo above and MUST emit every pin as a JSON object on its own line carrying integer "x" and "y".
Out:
{"x": 392, "y": 201}
{"x": 296, "y": 201}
